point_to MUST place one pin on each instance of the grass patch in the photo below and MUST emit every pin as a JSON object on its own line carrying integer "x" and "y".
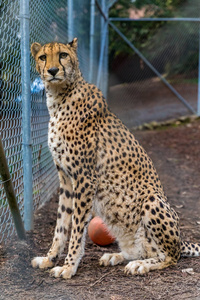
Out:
{"x": 183, "y": 81}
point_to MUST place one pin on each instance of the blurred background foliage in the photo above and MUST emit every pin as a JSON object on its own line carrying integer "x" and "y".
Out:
{"x": 158, "y": 41}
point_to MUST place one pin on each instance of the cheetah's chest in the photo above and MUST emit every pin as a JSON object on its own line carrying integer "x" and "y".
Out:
{"x": 56, "y": 145}
{"x": 60, "y": 142}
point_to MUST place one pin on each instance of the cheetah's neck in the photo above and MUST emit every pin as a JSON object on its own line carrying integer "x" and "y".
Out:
{"x": 57, "y": 93}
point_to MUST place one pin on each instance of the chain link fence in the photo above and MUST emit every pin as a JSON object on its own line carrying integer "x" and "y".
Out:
{"x": 49, "y": 21}
{"x": 170, "y": 46}
{"x": 10, "y": 108}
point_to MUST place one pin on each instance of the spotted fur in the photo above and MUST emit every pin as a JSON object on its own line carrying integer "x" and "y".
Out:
{"x": 102, "y": 168}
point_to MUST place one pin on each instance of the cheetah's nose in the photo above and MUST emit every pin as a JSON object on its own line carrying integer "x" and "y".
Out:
{"x": 53, "y": 71}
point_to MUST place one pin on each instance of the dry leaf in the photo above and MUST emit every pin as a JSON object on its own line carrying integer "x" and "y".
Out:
{"x": 115, "y": 297}
{"x": 188, "y": 271}
{"x": 179, "y": 206}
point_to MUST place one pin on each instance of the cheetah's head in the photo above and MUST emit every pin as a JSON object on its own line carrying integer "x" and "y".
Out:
{"x": 56, "y": 63}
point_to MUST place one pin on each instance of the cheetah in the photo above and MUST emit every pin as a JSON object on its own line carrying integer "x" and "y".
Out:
{"x": 102, "y": 169}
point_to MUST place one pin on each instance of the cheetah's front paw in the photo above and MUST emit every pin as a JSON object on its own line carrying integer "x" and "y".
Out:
{"x": 137, "y": 267}
{"x": 111, "y": 259}
{"x": 65, "y": 272}
{"x": 42, "y": 262}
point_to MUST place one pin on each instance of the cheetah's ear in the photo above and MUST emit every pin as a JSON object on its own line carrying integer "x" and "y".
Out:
{"x": 35, "y": 47}
{"x": 74, "y": 44}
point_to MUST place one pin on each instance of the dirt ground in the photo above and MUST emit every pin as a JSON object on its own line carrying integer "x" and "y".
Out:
{"x": 148, "y": 100}
{"x": 176, "y": 155}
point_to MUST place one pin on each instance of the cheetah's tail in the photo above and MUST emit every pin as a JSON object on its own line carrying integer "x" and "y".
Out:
{"x": 190, "y": 249}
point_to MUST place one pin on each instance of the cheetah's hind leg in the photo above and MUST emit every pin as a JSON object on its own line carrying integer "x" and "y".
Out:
{"x": 111, "y": 259}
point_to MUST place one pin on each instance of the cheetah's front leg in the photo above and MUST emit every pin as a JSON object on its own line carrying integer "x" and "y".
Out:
{"x": 63, "y": 222}
{"x": 83, "y": 196}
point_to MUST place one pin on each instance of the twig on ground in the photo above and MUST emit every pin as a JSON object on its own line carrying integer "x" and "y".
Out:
{"x": 102, "y": 277}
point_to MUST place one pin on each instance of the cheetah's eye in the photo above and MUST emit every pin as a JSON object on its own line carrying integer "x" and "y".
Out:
{"x": 63, "y": 55}
{"x": 42, "y": 57}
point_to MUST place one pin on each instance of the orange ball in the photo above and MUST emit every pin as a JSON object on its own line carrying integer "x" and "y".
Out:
{"x": 98, "y": 232}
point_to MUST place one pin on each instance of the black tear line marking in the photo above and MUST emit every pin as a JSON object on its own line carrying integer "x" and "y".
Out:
{"x": 45, "y": 61}
{"x": 61, "y": 64}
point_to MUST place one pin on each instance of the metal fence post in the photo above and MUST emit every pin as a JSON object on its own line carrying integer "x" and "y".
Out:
{"x": 101, "y": 66}
{"x": 92, "y": 20}
{"x": 103, "y": 61}
{"x": 106, "y": 54}
{"x": 198, "y": 100}
{"x": 102, "y": 50}
{"x": 26, "y": 114}
{"x": 70, "y": 20}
